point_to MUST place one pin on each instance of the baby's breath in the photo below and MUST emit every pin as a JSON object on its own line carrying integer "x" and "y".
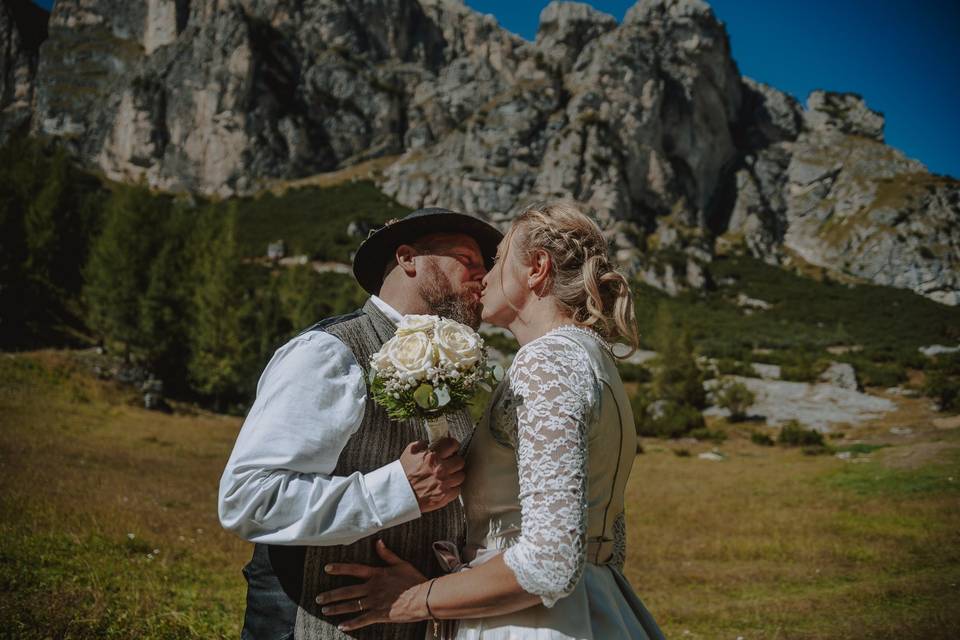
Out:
{"x": 444, "y": 380}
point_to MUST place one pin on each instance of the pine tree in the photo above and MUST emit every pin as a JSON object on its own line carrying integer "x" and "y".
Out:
{"x": 679, "y": 378}
{"x": 166, "y": 304}
{"x": 272, "y": 326}
{"x": 671, "y": 407}
{"x": 118, "y": 269}
{"x": 221, "y": 344}
{"x": 40, "y": 225}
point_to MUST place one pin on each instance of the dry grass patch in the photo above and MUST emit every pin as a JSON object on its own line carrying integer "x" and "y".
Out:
{"x": 771, "y": 543}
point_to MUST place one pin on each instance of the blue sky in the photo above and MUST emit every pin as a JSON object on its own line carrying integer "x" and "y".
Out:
{"x": 902, "y": 56}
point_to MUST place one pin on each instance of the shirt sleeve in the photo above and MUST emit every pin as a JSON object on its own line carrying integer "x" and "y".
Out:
{"x": 278, "y": 486}
{"x": 557, "y": 391}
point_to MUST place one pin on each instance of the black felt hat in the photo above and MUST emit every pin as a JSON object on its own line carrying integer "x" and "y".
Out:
{"x": 378, "y": 249}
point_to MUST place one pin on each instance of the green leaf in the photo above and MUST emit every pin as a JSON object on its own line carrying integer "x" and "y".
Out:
{"x": 497, "y": 372}
{"x": 424, "y": 397}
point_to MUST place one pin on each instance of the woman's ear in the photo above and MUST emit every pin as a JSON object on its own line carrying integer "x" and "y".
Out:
{"x": 538, "y": 272}
{"x": 405, "y": 255}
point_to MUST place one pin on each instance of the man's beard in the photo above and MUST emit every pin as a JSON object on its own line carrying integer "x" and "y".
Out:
{"x": 437, "y": 292}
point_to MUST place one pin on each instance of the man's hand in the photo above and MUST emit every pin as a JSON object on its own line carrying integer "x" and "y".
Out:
{"x": 435, "y": 473}
{"x": 389, "y": 594}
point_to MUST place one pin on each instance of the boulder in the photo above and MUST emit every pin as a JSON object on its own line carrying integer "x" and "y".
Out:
{"x": 816, "y": 406}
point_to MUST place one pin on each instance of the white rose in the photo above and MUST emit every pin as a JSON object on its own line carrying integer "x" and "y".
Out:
{"x": 416, "y": 324}
{"x": 380, "y": 362}
{"x": 458, "y": 344}
{"x": 411, "y": 355}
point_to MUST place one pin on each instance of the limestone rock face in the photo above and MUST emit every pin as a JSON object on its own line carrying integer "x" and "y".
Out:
{"x": 633, "y": 120}
{"x": 648, "y": 123}
{"x": 835, "y": 196}
{"x": 23, "y": 26}
{"x": 216, "y": 96}
{"x": 566, "y": 28}
{"x": 844, "y": 112}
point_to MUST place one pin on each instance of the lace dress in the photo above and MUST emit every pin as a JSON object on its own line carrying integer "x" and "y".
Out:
{"x": 546, "y": 471}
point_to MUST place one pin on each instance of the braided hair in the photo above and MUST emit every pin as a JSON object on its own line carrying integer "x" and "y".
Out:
{"x": 582, "y": 280}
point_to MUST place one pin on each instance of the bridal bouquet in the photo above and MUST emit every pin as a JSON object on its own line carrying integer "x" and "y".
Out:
{"x": 432, "y": 366}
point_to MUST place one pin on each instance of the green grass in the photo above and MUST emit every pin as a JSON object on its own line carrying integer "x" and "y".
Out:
{"x": 861, "y": 448}
{"x": 873, "y": 479}
{"x": 312, "y": 220}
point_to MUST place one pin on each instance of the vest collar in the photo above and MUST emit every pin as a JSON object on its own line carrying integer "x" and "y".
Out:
{"x": 383, "y": 325}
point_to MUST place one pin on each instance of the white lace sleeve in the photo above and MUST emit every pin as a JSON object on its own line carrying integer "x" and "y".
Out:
{"x": 557, "y": 390}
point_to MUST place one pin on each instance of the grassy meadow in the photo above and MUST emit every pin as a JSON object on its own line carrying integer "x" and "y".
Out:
{"x": 110, "y": 526}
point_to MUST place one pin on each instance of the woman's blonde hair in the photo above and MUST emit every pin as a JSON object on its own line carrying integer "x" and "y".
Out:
{"x": 581, "y": 279}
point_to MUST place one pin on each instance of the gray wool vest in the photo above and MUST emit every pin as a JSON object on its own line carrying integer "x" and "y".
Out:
{"x": 378, "y": 441}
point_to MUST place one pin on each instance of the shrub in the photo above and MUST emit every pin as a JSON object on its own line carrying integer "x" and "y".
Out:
{"x": 801, "y": 371}
{"x": 630, "y": 372}
{"x": 943, "y": 381}
{"x": 816, "y": 450}
{"x": 681, "y": 453}
{"x": 731, "y": 367}
{"x": 943, "y": 388}
{"x": 877, "y": 370}
{"x": 665, "y": 418}
{"x": 706, "y": 434}
{"x": 762, "y": 439}
{"x": 793, "y": 434}
{"x": 736, "y": 398}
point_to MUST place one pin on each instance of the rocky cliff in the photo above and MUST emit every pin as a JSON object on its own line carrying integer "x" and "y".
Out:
{"x": 23, "y": 27}
{"x": 647, "y": 121}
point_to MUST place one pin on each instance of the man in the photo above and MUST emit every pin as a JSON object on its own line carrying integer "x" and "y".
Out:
{"x": 319, "y": 471}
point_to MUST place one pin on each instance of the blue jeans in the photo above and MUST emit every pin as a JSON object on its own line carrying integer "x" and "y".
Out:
{"x": 274, "y": 581}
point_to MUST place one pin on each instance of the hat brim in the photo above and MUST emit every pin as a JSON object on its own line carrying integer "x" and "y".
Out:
{"x": 377, "y": 250}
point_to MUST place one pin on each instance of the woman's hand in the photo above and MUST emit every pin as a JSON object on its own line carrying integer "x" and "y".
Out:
{"x": 390, "y": 594}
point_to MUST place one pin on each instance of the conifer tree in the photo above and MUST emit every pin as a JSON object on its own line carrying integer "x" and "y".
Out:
{"x": 679, "y": 378}
{"x": 118, "y": 269}
{"x": 671, "y": 406}
{"x": 221, "y": 345}
{"x": 166, "y": 304}
{"x": 272, "y": 326}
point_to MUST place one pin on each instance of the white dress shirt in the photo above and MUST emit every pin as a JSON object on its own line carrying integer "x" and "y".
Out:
{"x": 278, "y": 486}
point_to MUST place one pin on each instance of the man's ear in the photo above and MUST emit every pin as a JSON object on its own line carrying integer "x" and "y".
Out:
{"x": 538, "y": 271}
{"x": 405, "y": 255}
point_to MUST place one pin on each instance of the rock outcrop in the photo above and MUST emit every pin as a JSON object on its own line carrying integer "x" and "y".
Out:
{"x": 822, "y": 407}
{"x": 23, "y": 27}
{"x": 647, "y": 122}
{"x": 829, "y": 192}
{"x": 634, "y": 120}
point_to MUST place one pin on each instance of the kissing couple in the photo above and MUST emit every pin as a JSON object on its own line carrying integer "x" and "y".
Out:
{"x": 513, "y": 528}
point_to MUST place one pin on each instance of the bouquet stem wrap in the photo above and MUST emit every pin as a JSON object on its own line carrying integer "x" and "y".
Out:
{"x": 437, "y": 428}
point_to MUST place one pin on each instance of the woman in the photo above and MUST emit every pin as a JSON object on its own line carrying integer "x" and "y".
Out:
{"x": 547, "y": 465}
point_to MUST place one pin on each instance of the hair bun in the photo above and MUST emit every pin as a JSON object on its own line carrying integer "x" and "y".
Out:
{"x": 583, "y": 281}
